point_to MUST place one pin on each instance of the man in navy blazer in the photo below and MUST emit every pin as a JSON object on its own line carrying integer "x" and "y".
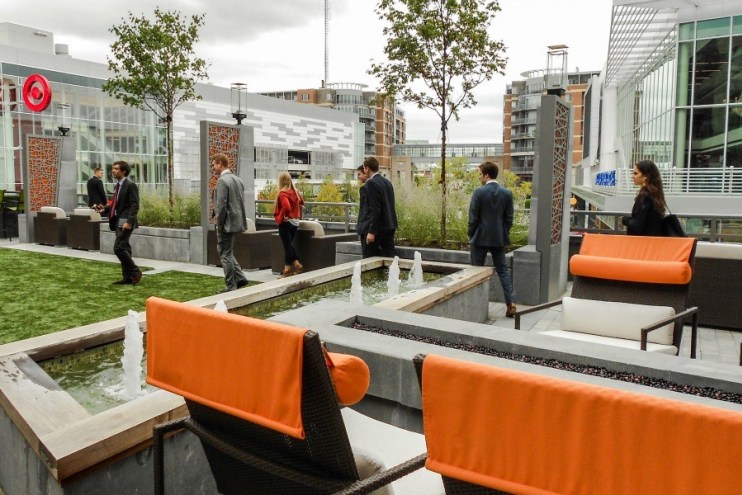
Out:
{"x": 380, "y": 215}
{"x": 490, "y": 218}
{"x": 122, "y": 218}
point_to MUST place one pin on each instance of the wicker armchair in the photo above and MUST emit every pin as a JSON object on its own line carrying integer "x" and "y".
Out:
{"x": 716, "y": 292}
{"x": 494, "y": 429}
{"x": 83, "y": 230}
{"x": 272, "y": 424}
{"x": 315, "y": 248}
{"x": 638, "y": 272}
{"x": 50, "y": 226}
{"x": 252, "y": 248}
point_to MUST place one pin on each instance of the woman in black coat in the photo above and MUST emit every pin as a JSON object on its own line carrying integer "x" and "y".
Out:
{"x": 649, "y": 204}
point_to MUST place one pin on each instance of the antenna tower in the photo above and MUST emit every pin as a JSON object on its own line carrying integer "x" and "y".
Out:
{"x": 327, "y": 41}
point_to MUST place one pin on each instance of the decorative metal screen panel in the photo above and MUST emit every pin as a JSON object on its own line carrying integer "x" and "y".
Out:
{"x": 561, "y": 149}
{"x": 44, "y": 160}
{"x": 222, "y": 139}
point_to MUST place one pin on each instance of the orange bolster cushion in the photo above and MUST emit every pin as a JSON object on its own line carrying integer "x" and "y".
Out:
{"x": 350, "y": 375}
{"x": 653, "y": 272}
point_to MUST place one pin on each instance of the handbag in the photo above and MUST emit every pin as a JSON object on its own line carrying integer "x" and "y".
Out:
{"x": 671, "y": 225}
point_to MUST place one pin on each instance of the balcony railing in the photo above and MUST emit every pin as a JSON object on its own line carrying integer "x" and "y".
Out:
{"x": 682, "y": 181}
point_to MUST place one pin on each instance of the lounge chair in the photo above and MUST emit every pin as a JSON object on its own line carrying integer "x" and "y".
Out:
{"x": 493, "y": 430}
{"x": 315, "y": 248}
{"x": 83, "y": 229}
{"x": 50, "y": 226}
{"x": 252, "y": 248}
{"x": 261, "y": 399}
{"x": 628, "y": 291}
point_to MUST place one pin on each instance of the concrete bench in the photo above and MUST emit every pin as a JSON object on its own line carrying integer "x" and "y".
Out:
{"x": 716, "y": 287}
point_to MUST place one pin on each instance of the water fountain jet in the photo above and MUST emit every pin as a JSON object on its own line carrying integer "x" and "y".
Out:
{"x": 393, "y": 283}
{"x": 356, "y": 289}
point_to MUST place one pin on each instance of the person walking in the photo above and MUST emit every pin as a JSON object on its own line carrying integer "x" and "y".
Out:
{"x": 229, "y": 217}
{"x": 490, "y": 219}
{"x": 649, "y": 203}
{"x": 96, "y": 191}
{"x": 122, "y": 218}
{"x": 379, "y": 230}
{"x": 363, "y": 220}
{"x": 287, "y": 212}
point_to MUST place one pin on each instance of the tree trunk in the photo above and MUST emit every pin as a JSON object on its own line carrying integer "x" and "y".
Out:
{"x": 170, "y": 164}
{"x": 444, "y": 185}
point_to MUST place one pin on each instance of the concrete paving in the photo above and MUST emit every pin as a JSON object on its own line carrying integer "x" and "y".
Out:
{"x": 714, "y": 344}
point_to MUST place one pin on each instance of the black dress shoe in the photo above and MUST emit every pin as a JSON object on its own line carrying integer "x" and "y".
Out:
{"x": 122, "y": 282}
{"x": 223, "y": 290}
{"x": 136, "y": 278}
{"x": 242, "y": 283}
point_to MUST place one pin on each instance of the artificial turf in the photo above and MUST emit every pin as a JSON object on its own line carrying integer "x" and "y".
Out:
{"x": 44, "y": 293}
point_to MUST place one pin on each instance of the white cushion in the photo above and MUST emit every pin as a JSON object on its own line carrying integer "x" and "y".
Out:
{"x": 87, "y": 212}
{"x": 250, "y": 225}
{"x": 615, "y": 319}
{"x": 316, "y": 227}
{"x": 391, "y": 446}
{"x": 58, "y": 212}
{"x": 726, "y": 250}
{"x": 600, "y": 339}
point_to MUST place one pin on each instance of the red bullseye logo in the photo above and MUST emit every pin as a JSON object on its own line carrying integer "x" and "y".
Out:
{"x": 37, "y": 93}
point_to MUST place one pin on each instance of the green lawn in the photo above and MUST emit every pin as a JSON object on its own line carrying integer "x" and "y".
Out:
{"x": 45, "y": 293}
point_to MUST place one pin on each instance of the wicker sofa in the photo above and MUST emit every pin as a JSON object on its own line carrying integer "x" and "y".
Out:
{"x": 50, "y": 226}
{"x": 315, "y": 248}
{"x": 83, "y": 230}
{"x": 717, "y": 287}
{"x": 251, "y": 248}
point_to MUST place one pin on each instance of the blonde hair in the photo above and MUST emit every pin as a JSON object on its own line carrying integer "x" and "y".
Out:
{"x": 285, "y": 182}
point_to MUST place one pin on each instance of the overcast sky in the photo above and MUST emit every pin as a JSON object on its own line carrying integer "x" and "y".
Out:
{"x": 279, "y": 44}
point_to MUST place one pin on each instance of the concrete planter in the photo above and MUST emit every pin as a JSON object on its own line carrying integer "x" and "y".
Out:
{"x": 183, "y": 245}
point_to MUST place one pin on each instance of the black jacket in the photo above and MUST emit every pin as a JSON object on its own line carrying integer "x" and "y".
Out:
{"x": 96, "y": 192}
{"x": 379, "y": 205}
{"x": 127, "y": 206}
{"x": 644, "y": 219}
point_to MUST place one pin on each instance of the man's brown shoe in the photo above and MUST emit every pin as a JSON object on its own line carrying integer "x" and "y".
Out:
{"x": 510, "y": 312}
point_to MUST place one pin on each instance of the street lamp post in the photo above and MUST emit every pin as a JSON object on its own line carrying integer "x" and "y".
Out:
{"x": 63, "y": 118}
{"x": 239, "y": 101}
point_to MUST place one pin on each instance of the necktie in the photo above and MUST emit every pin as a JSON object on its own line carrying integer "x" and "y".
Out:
{"x": 114, "y": 200}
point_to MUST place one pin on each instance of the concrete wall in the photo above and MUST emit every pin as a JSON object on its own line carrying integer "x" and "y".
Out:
{"x": 183, "y": 245}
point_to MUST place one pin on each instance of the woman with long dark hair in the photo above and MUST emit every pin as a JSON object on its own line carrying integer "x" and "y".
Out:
{"x": 287, "y": 212}
{"x": 649, "y": 204}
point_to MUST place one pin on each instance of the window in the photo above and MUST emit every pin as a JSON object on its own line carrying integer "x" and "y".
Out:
{"x": 304, "y": 97}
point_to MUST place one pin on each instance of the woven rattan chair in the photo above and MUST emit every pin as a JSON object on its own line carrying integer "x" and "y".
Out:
{"x": 316, "y": 248}
{"x": 490, "y": 428}
{"x": 83, "y": 229}
{"x": 244, "y": 453}
{"x": 252, "y": 248}
{"x": 50, "y": 226}
{"x": 649, "y": 271}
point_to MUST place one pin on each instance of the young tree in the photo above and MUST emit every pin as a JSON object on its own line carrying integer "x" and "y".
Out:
{"x": 438, "y": 51}
{"x": 154, "y": 67}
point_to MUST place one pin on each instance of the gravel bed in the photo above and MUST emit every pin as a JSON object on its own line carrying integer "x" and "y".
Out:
{"x": 561, "y": 365}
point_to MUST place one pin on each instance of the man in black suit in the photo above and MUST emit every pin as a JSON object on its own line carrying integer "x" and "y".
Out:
{"x": 381, "y": 215}
{"x": 362, "y": 223}
{"x": 96, "y": 192}
{"x": 490, "y": 218}
{"x": 122, "y": 218}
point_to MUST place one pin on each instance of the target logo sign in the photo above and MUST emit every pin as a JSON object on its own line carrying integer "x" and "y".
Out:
{"x": 37, "y": 93}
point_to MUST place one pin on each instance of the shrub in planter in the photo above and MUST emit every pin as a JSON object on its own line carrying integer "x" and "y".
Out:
{"x": 154, "y": 210}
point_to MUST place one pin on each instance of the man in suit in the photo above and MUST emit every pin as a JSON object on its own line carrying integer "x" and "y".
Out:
{"x": 96, "y": 192}
{"x": 229, "y": 217}
{"x": 122, "y": 218}
{"x": 381, "y": 214}
{"x": 490, "y": 218}
{"x": 363, "y": 220}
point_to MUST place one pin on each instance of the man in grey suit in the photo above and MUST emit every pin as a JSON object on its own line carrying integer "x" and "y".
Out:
{"x": 490, "y": 219}
{"x": 229, "y": 214}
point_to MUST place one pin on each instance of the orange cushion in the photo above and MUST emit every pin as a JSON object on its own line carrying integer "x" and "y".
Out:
{"x": 532, "y": 434}
{"x": 660, "y": 260}
{"x": 241, "y": 366}
{"x": 350, "y": 375}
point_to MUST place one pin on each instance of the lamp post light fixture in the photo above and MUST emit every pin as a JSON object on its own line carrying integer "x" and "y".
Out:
{"x": 63, "y": 118}
{"x": 239, "y": 101}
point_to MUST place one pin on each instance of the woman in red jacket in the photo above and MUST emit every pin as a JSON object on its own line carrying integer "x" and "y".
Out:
{"x": 287, "y": 213}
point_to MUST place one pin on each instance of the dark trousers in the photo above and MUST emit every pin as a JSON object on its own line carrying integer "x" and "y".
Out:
{"x": 383, "y": 245}
{"x": 233, "y": 274}
{"x": 477, "y": 256}
{"x": 122, "y": 250}
{"x": 287, "y": 232}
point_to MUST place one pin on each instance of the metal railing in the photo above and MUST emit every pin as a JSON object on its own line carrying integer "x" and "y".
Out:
{"x": 713, "y": 228}
{"x": 722, "y": 180}
{"x": 333, "y": 216}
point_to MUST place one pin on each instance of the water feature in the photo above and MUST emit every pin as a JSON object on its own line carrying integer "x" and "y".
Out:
{"x": 220, "y": 306}
{"x": 392, "y": 283}
{"x": 132, "y": 358}
{"x": 415, "y": 279}
{"x": 356, "y": 289}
